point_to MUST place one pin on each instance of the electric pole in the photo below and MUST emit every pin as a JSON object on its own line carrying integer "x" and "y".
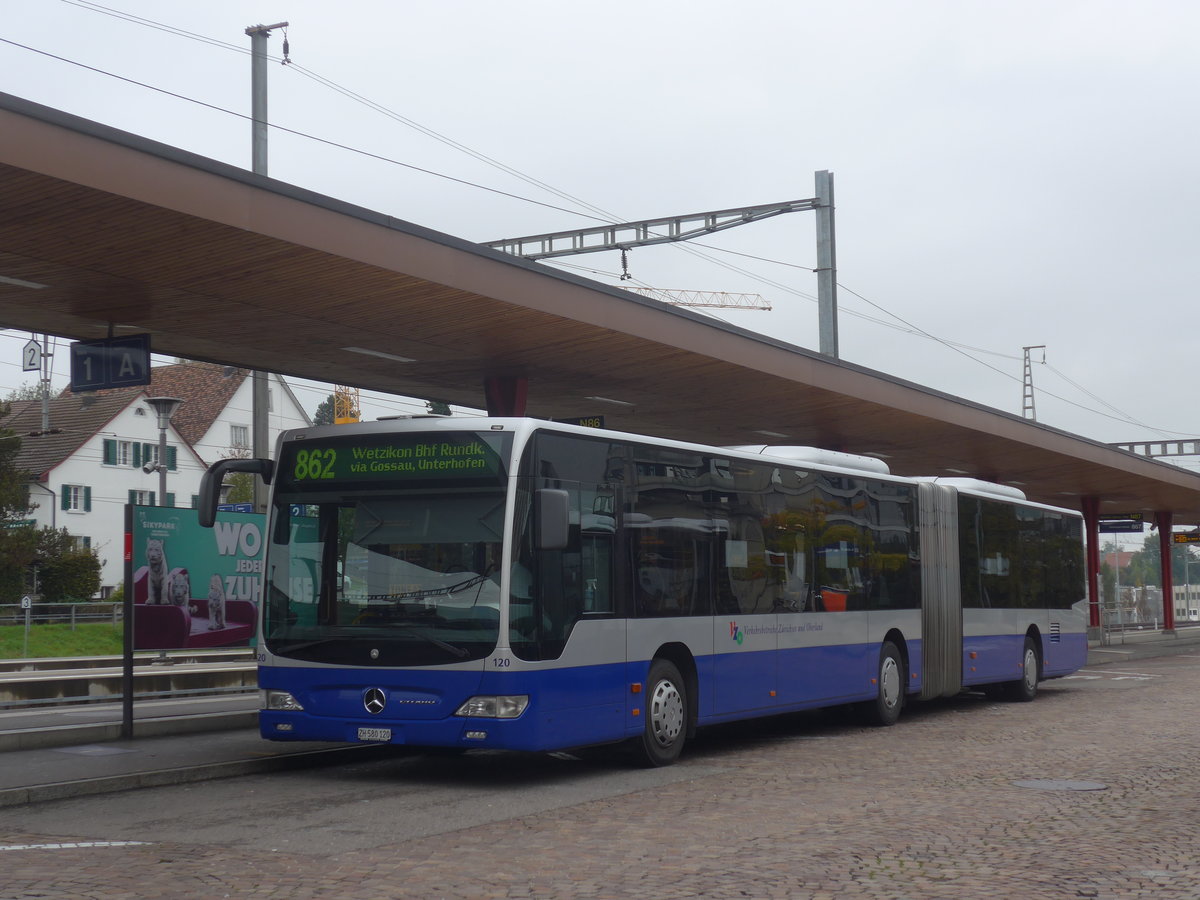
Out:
{"x": 261, "y": 398}
{"x": 1028, "y": 410}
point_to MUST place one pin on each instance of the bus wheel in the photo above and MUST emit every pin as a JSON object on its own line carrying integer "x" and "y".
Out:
{"x": 666, "y": 715}
{"x": 1025, "y": 688}
{"x": 889, "y": 699}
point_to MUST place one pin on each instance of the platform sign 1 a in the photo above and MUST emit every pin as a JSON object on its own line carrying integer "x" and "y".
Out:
{"x": 110, "y": 363}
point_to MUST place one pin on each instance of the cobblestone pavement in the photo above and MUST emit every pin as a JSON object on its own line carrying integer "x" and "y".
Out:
{"x": 811, "y": 806}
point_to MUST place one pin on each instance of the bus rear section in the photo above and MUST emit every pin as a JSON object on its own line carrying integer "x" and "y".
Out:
{"x": 1005, "y": 602}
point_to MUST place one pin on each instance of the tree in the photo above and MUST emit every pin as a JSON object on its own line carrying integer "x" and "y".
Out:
{"x": 18, "y": 541}
{"x": 1146, "y": 565}
{"x": 66, "y": 571}
{"x": 18, "y": 550}
{"x": 324, "y": 413}
{"x": 14, "y": 482}
{"x": 241, "y": 488}
{"x": 241, "y": 484}
{"x": 30, "y": 390}
{"x": 1108, "y": 585}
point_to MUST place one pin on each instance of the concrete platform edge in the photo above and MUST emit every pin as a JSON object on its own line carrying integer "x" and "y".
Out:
{"x": 84, "y": 787}
{"x": 68, "y": 735}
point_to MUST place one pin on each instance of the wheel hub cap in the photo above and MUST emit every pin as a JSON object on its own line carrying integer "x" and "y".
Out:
{"x": 666, "y": 713}
{"x": 889, "y": 682}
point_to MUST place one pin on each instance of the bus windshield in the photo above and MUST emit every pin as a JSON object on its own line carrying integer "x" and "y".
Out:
{"x": 388, "y": 571}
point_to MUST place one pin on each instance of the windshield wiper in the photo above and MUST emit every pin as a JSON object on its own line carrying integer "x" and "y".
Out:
{"x": 301, "y": 645}
{"x": 426, "y": 636}
{"x": 414, "y": 628}
{"x": 430, "y": 592}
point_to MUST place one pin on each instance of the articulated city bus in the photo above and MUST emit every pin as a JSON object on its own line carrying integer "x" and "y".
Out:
{"x": 521, "y": 584}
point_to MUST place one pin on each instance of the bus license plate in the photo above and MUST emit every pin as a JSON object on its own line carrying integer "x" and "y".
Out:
{"x": 374, "y": 734}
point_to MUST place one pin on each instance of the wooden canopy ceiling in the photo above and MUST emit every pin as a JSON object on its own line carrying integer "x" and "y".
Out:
{"x": 100, "y": 229}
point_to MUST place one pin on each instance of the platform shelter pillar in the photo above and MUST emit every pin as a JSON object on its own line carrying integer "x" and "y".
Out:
{"x": 506, "y": 394}
{"x": 1164, "y": 520}
{"x": 1091, "y": 525}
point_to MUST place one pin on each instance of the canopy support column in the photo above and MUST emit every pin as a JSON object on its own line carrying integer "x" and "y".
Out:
{"x": 1163, "y": 520}
{"x": 506, "y": 394}
{"x": 1091, "y": 526}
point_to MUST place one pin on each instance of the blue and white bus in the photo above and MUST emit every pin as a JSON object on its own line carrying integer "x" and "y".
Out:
{"x": 521, "y": 584}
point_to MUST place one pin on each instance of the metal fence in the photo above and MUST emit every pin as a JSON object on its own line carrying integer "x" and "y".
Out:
{"x": 61, "y": 613}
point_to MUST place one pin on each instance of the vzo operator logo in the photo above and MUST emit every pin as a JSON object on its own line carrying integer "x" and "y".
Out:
{"x": 736, "y": 633}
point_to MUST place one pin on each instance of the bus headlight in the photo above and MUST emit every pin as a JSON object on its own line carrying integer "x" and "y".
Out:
{"x": 280, "y": 700}
{"x": 502, "y": 707}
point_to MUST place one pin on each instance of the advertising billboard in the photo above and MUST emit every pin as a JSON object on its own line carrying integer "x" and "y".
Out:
{"x": 194, "y": 586}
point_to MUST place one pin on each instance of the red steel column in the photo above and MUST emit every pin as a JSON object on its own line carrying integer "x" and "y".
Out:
{"x": 506, "y": 394}
{"x": 1091, "y": 526}
{"x": 1164, "y": 521}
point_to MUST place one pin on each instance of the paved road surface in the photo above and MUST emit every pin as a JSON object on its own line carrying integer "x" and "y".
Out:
{"x": 1089, "y": 792}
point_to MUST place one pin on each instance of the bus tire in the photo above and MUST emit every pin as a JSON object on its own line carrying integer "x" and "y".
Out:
{"x": 889, "y": 698}
{"x": 1025, "y": 688}
{"x": 666, "y": 715}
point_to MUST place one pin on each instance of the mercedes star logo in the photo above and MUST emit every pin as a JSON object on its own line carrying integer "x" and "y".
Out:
{"x": 374, "y": 700}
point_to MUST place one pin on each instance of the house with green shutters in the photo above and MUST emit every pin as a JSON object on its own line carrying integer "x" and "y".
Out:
{"x": 86, "y": 453}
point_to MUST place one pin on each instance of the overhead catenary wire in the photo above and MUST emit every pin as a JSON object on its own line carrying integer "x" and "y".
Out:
{"x": 596, "y": 213}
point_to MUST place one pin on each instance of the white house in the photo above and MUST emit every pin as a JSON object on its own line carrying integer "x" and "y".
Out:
{"x": 89, "y": 463}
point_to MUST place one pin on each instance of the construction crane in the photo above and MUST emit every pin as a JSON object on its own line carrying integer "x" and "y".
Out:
{"x": 714, "y": 299}
{"x": 346, "y": 406}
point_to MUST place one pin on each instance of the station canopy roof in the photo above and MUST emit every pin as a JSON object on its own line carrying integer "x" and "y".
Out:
{"x": 100, "y": 230}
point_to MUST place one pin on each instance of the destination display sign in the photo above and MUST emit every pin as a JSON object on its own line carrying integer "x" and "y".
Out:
{"x": 1120, "y": 526}
{"x": 1120, "y": 523}
{"x": 1187, "y": 537}
{"x": 454, "y": 456}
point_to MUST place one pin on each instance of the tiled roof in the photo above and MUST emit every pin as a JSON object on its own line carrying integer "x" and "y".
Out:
{"x": 204, "y": 388}
{"x": 74, "y": 419}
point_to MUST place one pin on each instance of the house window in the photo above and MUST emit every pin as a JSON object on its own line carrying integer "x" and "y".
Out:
{"x": 239, "y": 436}
{"x": 141, "y": 498}
{"x": 120, "y": 453}
{"x": 76, "y": 498}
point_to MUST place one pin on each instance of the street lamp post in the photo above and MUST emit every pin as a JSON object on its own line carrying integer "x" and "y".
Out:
{"x": 164, "y": 408}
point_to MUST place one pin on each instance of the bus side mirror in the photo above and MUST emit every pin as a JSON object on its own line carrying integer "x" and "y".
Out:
{"x": 210, "y": 483}
{"x": 553, "y": 520}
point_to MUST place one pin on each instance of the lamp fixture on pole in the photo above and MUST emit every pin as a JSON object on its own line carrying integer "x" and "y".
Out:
{"x": 164, "y": 408}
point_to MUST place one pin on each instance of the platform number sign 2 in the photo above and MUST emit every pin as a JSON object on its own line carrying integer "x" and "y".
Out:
{"x": 109, "y": 363}
{"x": 31, "y": 357}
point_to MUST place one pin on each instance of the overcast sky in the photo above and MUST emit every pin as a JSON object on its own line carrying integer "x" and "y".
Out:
{"x": 1007, "y": 174}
